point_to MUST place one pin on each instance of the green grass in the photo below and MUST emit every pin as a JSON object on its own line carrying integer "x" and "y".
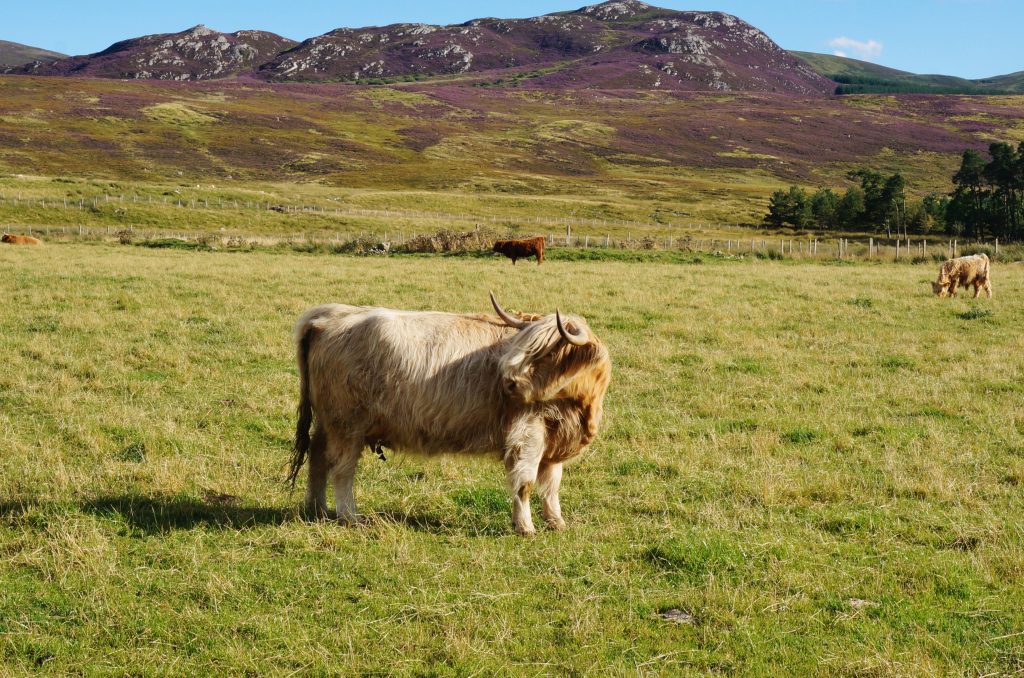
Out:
{"x": 820, "y": 486}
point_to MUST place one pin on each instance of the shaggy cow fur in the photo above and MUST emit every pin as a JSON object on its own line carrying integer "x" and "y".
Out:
{"x": 529, "y": 391}
{"x": 20, "y": 239}
{"x": 521, "y": 249}
{"x": 965, "y": 271}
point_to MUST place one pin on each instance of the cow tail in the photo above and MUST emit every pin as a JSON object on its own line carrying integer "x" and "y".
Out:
{"x": 304, "y": 337}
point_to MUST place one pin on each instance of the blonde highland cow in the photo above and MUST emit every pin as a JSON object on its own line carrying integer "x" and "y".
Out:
{"x": 528, "y": 390}
{"x": 965, "y": 271}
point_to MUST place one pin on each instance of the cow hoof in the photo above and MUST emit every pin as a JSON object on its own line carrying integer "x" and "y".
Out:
{"x": 314, "y": 512}
{"x": 350, "y": 520}
{"x": 557, "y": 525}
{"x": 526, "y": 531}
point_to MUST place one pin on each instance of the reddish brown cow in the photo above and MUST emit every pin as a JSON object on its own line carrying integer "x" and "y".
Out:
{"x": 521, "y": 249}
{"x": 20, "y": 239}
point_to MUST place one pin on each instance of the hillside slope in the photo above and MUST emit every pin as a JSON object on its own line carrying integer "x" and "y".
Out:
{"x": 16, "y": 54}
{"x": 854, "y": 76}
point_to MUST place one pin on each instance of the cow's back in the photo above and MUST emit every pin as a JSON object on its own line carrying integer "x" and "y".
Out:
{"x": 417, "y": 380}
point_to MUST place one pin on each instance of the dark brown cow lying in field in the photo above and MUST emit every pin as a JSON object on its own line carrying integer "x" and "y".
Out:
{"x": 521, "y": 249}
{"x": 529, "y": 392}
{"x": 970, "y": 270}
{"x": 20, "y": 239}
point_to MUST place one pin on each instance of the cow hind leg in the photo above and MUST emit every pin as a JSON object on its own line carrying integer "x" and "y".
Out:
{"x": 522, "y": 459}
{"x": 316, "y": 487}
{"x": 342, "y": 457}
{"x": 549, "y": 479}
{"x": 988, "y": 288}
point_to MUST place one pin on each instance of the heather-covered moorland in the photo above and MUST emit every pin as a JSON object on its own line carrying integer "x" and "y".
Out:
{"x": 810, "y": 468}
{"x": 649, "y": 156}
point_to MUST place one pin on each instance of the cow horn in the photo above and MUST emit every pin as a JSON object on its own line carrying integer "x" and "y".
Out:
{"x": 571, "y": 338}
{"x": 509, "y": 320}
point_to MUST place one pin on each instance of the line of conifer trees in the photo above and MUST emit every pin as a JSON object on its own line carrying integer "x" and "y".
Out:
{"x": 987, "y": 200}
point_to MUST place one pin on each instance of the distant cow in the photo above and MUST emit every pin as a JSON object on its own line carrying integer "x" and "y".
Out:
{"x": 529, "y": 392}
{"x": 521, "y": 249}
{"x": 970, "y": 270}
{"x": 20, "y": 239}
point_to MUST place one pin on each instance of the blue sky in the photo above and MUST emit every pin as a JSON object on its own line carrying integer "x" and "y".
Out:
{"x": 968, "y": 38}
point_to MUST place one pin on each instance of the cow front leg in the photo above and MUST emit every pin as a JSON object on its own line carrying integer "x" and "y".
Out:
{"x": 342, "y": 458}
{"x": 523, "y": 452}
{"x": 549, "y": 479}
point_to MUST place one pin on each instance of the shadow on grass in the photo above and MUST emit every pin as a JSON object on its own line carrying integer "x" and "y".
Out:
{"x": 414, "y": 521}
{"x": 466, "y": 526}
{"x": 156, "y": 515}
{"x": 150, "y": 515}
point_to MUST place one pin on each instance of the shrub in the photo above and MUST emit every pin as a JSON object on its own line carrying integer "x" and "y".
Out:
{"x": 975, "y": 313}
{"x": 477, "y": 240}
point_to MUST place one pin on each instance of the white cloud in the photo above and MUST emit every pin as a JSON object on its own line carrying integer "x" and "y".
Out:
{"x": 868, "y": 50}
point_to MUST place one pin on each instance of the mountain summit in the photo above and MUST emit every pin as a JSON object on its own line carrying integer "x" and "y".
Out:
{"x": 620, "y": 44}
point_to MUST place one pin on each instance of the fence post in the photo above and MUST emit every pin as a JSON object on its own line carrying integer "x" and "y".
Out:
{"x": 897, "y": 249}
{"x": 954, "y": 249}
{"x": 997, "y": 247}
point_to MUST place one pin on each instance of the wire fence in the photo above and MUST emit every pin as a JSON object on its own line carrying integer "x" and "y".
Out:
{"x": 569, "y": 235}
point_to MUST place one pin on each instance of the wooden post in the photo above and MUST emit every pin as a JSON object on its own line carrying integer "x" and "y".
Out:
{"x": 954, "y": 249}
{"x": 897, "y": 249}
{"x": 568, "y": 234}
{"x": 997, "y": 247}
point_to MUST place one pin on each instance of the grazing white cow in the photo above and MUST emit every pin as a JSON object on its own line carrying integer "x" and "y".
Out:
{"x": 528, "y": 390}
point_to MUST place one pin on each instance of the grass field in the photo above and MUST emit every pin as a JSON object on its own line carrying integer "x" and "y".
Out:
{"x": 820, "y": 466}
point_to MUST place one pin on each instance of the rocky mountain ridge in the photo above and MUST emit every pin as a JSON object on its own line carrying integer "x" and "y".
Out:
{"x": 620, "y": 44}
